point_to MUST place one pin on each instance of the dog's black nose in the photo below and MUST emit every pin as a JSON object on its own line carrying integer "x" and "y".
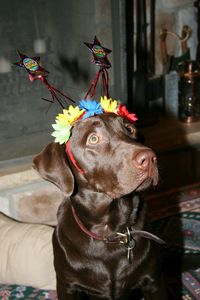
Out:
{"x": 145, "y": 159}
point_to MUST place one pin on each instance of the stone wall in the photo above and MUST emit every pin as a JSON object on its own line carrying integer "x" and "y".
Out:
{"x": 58, "y": 30}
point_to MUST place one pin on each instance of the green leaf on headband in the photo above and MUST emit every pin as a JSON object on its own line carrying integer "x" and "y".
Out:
{"x": 62, "y": 133}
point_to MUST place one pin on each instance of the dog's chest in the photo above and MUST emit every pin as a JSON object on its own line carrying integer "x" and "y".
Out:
{"x": 110, "y": 274}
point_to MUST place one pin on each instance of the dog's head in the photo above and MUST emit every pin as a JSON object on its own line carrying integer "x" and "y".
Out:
{"x": 104, "y": 154}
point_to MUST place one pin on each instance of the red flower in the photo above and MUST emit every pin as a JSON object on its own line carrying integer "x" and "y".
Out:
{"x": 122, "y": 111}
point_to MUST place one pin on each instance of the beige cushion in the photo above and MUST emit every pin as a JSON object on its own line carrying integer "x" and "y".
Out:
{"x": 26, "y": 254}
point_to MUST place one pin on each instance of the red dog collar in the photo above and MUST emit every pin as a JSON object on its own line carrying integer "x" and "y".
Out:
{"x": 117, "y": 237}
{"x": 69, "y": 152}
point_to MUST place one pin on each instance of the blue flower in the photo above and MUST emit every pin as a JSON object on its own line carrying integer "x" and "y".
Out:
{"x": 91, "y": 108}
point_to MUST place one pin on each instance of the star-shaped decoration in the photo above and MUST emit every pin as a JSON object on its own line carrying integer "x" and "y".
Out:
{"x": 99, "y": 53}
{"x": 31, "y": 64}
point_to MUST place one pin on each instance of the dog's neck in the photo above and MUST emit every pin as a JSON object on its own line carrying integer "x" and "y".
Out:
{"x": 99, "y": 211}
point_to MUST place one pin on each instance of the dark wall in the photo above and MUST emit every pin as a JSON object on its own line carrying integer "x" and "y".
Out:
{"x": 25, "y": 119}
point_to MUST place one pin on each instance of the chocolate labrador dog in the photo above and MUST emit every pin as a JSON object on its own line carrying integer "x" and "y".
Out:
{"x": 102, "y": 245}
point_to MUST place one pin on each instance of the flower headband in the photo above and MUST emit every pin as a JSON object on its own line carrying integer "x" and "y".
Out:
{"x": 86, "y": 109}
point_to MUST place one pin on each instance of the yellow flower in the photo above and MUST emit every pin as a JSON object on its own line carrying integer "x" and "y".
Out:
{"x": 70, "y": 115}
{"x": 108, "y": 105}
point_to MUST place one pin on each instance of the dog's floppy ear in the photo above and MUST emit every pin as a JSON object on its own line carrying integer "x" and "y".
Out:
{"x": 52, "y": 165}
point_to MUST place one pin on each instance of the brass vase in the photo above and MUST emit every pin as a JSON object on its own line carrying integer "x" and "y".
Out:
{"x": 189, "y": 91}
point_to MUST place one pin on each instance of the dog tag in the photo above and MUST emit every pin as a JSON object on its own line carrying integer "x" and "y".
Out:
{"x": 130, "y": 245}
{"x": 130, "y": 248}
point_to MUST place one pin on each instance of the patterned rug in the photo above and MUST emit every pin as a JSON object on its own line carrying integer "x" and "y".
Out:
{"x": 175, "y": 217}
{"x": 181, "y": 233}
{"x": 14, "y": 292}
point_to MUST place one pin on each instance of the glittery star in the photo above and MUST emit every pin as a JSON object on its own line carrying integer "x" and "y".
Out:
{"x": 99, "y": 53}
{"x": 35, "y": 71}
{"x": 31, "y": 64}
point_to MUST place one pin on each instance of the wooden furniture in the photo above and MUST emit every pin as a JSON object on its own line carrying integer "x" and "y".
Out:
{"x": 177, "y": 145}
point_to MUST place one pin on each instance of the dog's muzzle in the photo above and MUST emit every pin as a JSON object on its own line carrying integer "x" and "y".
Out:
{"x": 146, "y": 162}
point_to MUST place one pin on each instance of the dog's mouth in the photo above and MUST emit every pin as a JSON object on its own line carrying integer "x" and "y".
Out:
{"x": 147, "y": 180}
{"x": 145, "y": 184}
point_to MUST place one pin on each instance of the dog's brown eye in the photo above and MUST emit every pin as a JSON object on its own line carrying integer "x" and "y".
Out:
{"x": 93, "y": 139}
{"x": 130, "y": 128}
